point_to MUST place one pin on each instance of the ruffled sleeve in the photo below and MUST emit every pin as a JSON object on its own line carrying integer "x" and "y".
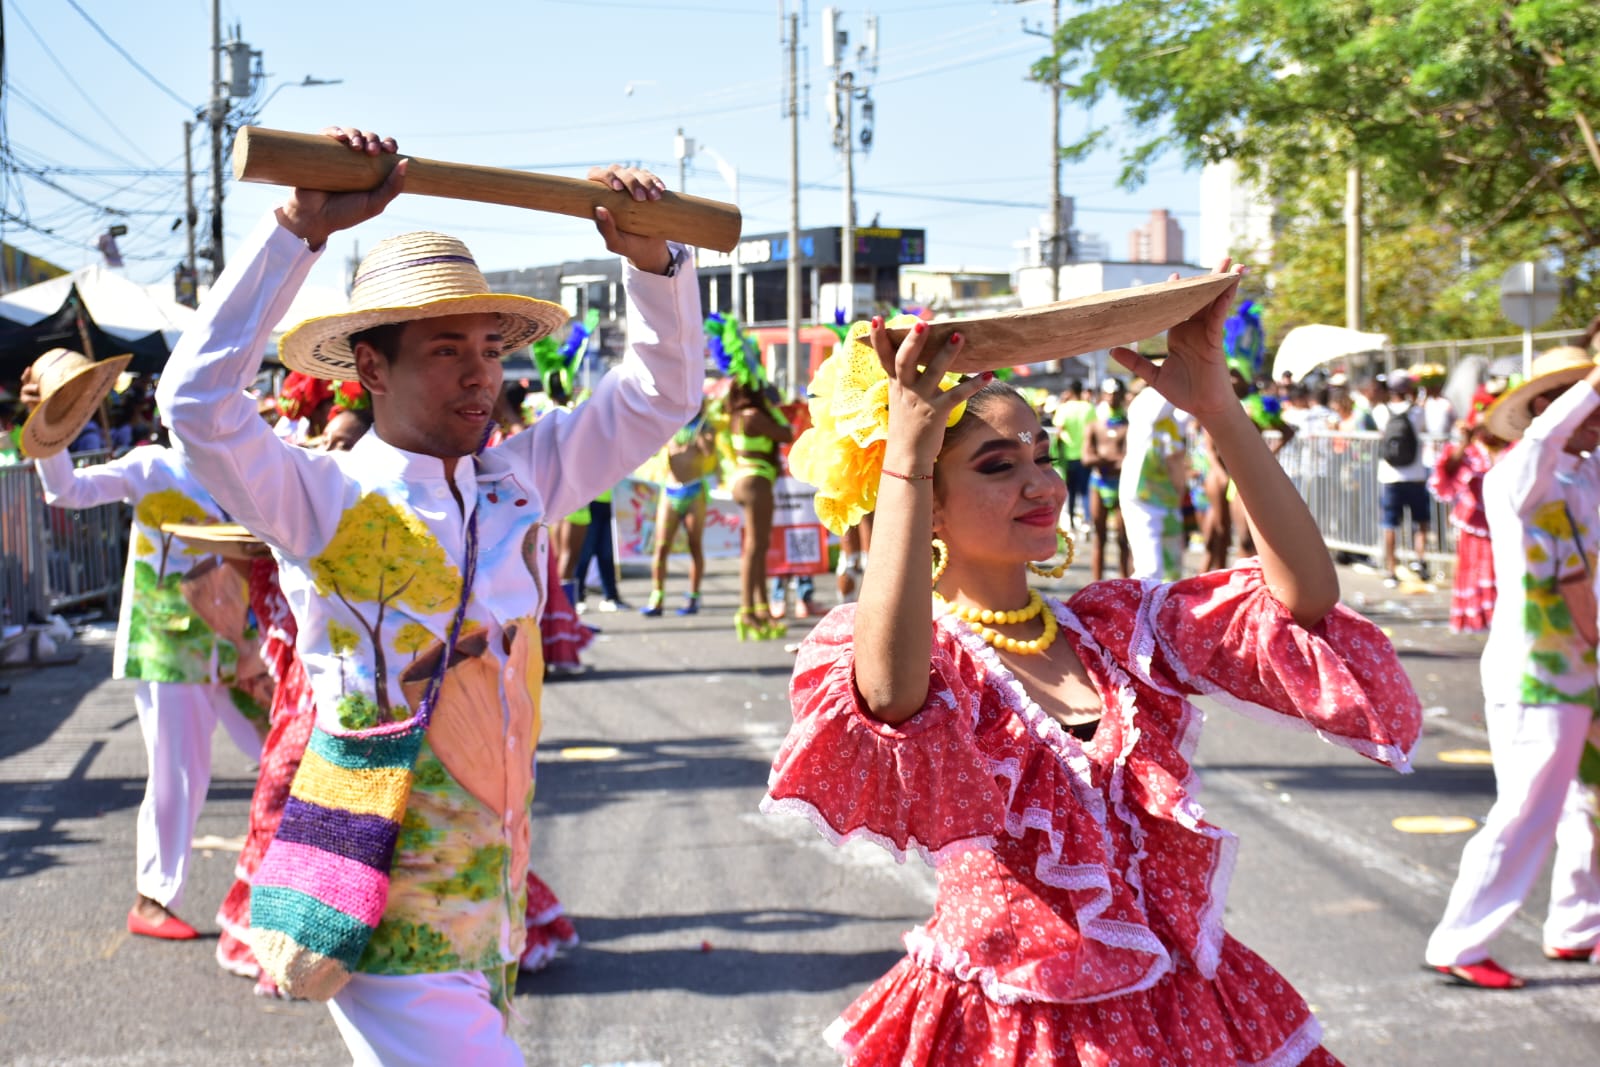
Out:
{"x": 921, "y": 786}
{"x": 1225, "y": 635}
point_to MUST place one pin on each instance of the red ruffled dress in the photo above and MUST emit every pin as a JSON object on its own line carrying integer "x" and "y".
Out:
{"x": 1081, "y": 890}
{"x": 292, "y": 716}
{"x": 1473, "y": 597}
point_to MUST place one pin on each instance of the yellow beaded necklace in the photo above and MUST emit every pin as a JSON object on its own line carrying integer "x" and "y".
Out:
{"x": 979, "y": 620}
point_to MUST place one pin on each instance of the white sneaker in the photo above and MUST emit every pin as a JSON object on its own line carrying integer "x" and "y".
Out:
{"x": 611, "y": 605}
{"x": 581, "y": 606}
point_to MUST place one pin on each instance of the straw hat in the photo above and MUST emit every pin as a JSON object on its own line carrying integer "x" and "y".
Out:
{"x": 71, "y": 386}
{"x": 226, "y": 539}
{"x": 413, "y": 276}
{"x": 1555, "y": 369}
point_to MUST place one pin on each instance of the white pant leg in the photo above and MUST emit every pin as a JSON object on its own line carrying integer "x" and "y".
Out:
{"x": 1154, "y": 555}
{"x": 1536, "y": 749}
{"x": 423, "y": 1020}
{"x": 241, "y": 731}
{"x": 1574, "y": 919}
{"x": 177, "y": 720}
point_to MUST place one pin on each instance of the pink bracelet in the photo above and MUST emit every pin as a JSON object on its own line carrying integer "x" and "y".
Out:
{"x": 908, "y": 477}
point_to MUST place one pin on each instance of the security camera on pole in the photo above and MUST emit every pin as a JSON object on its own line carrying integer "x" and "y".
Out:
{"x": 847, "y": 87}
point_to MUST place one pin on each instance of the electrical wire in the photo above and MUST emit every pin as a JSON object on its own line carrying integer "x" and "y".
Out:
{"x": 72, "y": 81}
{"x": 188, "y": 108}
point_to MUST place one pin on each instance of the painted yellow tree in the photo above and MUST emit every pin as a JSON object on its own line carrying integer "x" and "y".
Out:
{"x": 343, "y": 641}
{"x": 382, "y": 555}
{"x": 412, "y": 638}
{"x": 168, "y": 505}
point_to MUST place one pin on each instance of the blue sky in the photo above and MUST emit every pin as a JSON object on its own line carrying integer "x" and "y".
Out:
{"x": 961, "y": 144}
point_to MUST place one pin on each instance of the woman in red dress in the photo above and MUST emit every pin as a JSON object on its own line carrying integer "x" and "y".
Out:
{"x": 1457, "y": 480}
{"x": 1036, "y": 752}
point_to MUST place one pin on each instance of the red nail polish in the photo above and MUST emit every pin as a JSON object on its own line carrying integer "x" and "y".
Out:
{"x": 920, "y": 327}
{"x": 988, "y": 375}
{"x": 877, "y": 322}
{"x": 955, "y": 338}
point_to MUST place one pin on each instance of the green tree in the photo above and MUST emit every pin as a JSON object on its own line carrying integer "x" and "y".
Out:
{"x": 1473, "y": 113}
{"x": 382, "y": 555}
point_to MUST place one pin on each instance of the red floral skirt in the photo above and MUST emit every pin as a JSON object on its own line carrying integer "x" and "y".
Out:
{"x": 1472, "y": 600}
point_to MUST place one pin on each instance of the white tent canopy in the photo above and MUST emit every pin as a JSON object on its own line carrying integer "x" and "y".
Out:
{"x": 118, "y": 306}
{"x": 1305, "y": 348}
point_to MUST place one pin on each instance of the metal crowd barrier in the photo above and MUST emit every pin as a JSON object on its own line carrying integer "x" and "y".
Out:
{"x": 1337, "y": 474}
{"x": 56, "y": 558}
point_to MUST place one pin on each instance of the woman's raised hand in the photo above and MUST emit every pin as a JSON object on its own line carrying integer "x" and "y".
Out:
{"x": 918, "y": 408}
{"x": 1194, "y": 376}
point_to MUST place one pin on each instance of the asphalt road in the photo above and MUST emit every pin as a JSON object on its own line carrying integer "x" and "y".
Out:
{"x": 715, "y": 936}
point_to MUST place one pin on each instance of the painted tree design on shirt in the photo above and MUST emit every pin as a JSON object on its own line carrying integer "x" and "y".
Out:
{"x": 382, "y": 555}
{"x": 167, "y": 505}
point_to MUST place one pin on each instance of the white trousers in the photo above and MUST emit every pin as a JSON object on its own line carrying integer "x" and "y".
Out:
{"x": 177, "y": 721}
{"x": 1155, "y": 538}
{"x": 1538, "y": 802}
{"x": 423, "y": 1020}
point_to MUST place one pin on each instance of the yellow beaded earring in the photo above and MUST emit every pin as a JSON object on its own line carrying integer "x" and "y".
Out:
{"x": 1059, "y": 569}
{"x": 941, "y": 559}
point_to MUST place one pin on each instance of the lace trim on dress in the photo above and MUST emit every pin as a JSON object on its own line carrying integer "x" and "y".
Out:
{"x": 932, "y": 857}
{"x": 1300, "y": 1044}
{"x": 1143, "y": 650}
{"x": 1186, "y": 810}
{"x": 1049, "y": 868}
{"x": 1392, "y": 755}
{"x": 925, "y": 950}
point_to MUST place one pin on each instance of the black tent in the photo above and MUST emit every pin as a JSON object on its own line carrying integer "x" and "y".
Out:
{"x": 71, "y": 326}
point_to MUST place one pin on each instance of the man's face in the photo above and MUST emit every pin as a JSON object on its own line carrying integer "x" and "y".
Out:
{"x": 436, "y": 395}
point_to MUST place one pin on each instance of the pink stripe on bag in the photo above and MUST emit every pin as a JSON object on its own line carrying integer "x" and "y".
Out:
{"x": 353, "y": 888}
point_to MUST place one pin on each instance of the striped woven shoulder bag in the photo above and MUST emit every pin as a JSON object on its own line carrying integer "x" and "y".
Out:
{"x": 324, "y": 882}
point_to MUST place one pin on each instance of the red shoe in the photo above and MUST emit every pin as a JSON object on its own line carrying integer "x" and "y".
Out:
{"x": 171, "y": 928}
{"x": 1485, "y": 974}
{"x": 1571, "y": 955}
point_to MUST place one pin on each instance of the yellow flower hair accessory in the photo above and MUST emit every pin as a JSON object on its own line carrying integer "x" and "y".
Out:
{"x": 842, "y": 453}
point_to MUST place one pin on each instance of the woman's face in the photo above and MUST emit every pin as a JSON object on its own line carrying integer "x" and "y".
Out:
{"x": 997, "y": 497}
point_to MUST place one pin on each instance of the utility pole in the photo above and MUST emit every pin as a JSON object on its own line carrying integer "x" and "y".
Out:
{"x": 683, "y": 148}
{"x": 842, "y": 100}
{"x": 187, "y": 288}
{"x": 792, "y": 110}
{"x": 219, "y": 116}
{"x": 1352, "y": 247}
{"x": 1056, "y": 237}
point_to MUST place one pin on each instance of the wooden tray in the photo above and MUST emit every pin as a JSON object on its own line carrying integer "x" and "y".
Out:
{"x": 1073, "y": 327}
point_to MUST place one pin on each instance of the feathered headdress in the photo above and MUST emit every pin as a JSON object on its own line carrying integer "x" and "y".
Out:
{"x": 1244, "y": 339}
{"x": 734, "y": 352}
{"x": 558, "y": 364}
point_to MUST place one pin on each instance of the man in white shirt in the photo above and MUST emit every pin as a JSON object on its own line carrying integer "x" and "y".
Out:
{"x": 1403, "y": 489}
{"x": 413, "y": 541}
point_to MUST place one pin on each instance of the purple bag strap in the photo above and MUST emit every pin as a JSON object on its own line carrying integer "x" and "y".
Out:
{"x": 469, "y": 573}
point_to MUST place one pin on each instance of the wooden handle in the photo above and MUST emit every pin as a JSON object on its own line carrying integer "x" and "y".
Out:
{"x": 313, "y": 161}
{"x": 1073, "y": 327}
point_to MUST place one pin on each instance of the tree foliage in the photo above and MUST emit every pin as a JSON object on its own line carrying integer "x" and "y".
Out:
{"x": 1475, "y": 115}
{"x": 382, "y": 555}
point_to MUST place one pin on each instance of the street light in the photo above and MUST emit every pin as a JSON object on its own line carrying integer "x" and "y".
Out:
{"x": 305, "y": 83}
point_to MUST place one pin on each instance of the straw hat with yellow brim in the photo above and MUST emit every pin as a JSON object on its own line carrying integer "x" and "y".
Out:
{"x": 226, "y": 539}
{"x": 1553, "y": 370}
{"x": 71, "y": 386}
{"x": 413, "y": 276}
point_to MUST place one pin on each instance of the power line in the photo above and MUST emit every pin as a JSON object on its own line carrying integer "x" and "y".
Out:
{"x": 123, "y": 52}
{"x": 66, "y": 74}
